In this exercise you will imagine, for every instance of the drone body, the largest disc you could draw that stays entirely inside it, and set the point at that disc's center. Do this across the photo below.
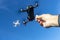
(30, 12)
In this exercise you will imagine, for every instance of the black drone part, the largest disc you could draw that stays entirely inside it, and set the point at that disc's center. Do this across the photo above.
(25, 22)
(30, 12)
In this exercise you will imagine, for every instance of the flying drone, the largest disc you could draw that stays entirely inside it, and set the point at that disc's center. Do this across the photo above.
(30, 12)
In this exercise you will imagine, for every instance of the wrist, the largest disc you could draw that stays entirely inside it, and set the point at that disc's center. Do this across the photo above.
(55, 20)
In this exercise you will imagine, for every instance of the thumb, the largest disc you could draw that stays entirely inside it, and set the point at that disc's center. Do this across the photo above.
(37, 17)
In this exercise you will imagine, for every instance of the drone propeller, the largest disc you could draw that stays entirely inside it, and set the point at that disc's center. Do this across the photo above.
(36, 4)
(22, 10)
(25, 22)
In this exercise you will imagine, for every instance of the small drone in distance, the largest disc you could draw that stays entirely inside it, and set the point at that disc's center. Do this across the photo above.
(30, 12)
(16, 23)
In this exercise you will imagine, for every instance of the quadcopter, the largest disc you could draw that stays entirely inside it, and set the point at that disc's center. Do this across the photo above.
(30, 12)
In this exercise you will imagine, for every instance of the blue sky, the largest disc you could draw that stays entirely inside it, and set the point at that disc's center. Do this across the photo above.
(32, 31)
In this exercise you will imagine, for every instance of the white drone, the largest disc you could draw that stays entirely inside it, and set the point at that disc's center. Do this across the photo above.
(16, 23)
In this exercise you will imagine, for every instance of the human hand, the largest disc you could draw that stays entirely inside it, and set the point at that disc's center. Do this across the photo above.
(47, 20)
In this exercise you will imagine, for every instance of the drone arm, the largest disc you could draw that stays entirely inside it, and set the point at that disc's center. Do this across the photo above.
(36, 5)
(23, 10)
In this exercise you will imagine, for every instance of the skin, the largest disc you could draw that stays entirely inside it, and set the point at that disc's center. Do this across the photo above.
(47, 20)
(40, 21)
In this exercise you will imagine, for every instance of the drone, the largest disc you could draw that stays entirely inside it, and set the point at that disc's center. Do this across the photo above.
(16, 23)
(30, 12)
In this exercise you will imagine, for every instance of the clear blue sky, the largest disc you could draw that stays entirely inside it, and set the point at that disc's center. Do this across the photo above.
(32, 31)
